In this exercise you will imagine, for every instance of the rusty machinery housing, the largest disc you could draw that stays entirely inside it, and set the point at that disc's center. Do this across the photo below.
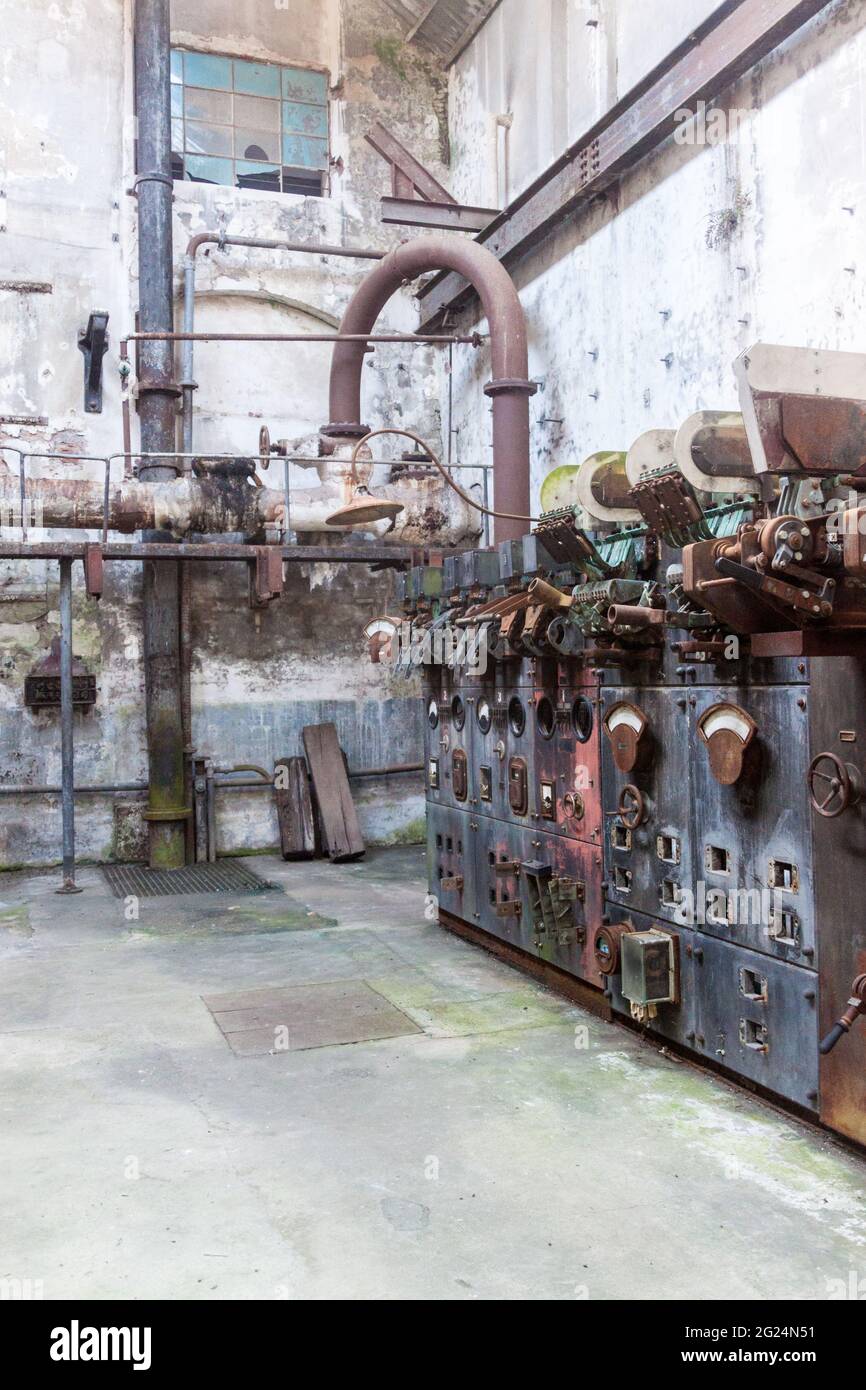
(648, 790)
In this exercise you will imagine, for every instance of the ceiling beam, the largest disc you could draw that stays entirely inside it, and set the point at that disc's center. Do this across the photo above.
(453, 217)
(408, 172)
(428, 10)
(735, 37)
(470, 31)
(403, 12)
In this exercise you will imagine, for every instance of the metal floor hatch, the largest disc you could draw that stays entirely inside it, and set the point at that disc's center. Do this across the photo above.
(225, 876)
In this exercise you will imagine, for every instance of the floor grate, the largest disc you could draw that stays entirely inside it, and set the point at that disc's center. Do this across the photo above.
(225, 876)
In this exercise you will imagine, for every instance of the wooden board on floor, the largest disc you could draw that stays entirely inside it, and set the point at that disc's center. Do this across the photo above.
(294, 808)
(342, 833)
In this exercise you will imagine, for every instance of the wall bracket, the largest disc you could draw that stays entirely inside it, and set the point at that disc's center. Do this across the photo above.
(93, 342)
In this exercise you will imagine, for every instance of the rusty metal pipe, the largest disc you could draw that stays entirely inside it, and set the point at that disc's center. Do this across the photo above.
(206, 505)
(157, 401)
(444, 339)
(359, 253)
(544, 594)
(510, 387)
(635, 615)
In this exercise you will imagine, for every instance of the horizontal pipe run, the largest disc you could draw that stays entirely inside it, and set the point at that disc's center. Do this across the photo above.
(249, 783)
(109, 789)
(444, 339)
(243, 784)
(358, 253)
(394, 555)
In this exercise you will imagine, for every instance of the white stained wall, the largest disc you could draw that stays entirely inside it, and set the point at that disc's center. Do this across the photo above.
(638, 306)
(66, 150)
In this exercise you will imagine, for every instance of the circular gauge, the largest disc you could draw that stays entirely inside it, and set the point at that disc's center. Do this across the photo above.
(484, 715)
(516, 715)
(458, 712)
(433, 714)
(582, 718)
(545, 714)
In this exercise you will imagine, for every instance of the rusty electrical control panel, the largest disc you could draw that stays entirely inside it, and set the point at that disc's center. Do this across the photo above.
(646, 746)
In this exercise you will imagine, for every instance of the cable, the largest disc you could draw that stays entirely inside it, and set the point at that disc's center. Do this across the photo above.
(416, 439)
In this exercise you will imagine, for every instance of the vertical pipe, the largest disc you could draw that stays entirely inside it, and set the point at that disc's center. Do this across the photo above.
(127, 423)
(287, 493)
(166, 811)
(66, 735)
(187, 384)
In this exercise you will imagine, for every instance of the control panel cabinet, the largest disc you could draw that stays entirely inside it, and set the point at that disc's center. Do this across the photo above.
(684, 833)
(645, 757)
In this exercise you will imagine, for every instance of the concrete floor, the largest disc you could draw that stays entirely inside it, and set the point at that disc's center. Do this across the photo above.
(491, 1155)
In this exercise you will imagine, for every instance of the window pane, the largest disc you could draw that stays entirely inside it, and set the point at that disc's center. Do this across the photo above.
(260, 79)
(308, 185)
(301, 85)
(177, 101)
(208, 139)
(304, 119)
(176, 136)
(304, 152)
(257, 113)
(205, 70)
(201, 169)
(257, 144)
(266, 176)
(214, 107)
(176, 65)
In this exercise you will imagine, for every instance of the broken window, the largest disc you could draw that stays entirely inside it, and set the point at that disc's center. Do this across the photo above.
(249, 125)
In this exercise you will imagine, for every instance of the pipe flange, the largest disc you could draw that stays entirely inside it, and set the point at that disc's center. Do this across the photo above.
(347, 431)
(159, 388)
(179, 813)
(510, 386)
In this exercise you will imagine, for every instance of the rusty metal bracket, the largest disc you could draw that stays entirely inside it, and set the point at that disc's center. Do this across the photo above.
(266, 575)
(93, 569)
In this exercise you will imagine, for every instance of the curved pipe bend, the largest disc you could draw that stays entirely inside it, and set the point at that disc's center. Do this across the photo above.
(510, 388)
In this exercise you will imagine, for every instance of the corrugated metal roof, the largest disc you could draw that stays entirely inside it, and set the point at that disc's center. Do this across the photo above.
(443, 27)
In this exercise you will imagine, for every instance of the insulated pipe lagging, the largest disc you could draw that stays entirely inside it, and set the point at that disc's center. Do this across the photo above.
(509, 388)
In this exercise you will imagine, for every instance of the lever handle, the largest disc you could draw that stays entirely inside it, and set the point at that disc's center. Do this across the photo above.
(836, 1034)
(856, 1007)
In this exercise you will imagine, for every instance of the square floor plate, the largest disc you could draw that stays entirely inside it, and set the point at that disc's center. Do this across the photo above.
(297, 1017)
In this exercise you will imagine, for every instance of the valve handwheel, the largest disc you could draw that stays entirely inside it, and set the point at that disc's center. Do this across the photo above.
(264, 446)
(832, 785)
(632, 807)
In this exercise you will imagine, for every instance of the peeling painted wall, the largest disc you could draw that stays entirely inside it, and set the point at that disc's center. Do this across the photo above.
(638, 306)
(66, 161)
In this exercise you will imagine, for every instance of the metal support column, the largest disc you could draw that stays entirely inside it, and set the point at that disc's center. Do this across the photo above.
(158, 392)
(66, 734)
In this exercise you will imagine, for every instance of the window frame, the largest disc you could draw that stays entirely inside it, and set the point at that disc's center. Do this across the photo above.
(287, 173)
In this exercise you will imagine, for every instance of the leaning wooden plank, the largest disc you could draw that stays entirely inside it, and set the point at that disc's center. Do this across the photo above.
(328, 770)
(294, 808)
